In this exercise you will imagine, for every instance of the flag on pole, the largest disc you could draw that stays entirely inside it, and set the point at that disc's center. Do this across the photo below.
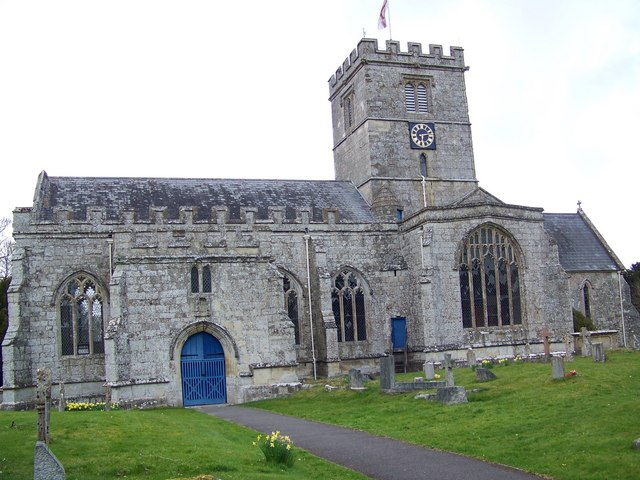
(382, 18)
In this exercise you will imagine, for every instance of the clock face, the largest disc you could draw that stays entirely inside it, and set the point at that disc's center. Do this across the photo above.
(422, 135)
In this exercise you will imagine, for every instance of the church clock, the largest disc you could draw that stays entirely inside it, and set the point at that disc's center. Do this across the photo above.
(422, 136)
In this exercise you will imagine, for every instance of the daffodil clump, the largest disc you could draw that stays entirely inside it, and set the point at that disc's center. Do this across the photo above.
(277, 448)
(486, 364)
(88, 406)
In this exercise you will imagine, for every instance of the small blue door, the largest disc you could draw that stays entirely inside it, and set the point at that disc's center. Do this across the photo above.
(398, 332)
(202, 367)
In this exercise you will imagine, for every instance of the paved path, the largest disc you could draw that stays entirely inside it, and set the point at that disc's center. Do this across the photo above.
(376, 457)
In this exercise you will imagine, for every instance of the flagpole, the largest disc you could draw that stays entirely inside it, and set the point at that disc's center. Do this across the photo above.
(389, 15)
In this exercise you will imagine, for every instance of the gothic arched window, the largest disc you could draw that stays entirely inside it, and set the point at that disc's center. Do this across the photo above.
(347, 299)
(489, 280)
(81, 317)
(291, 304)
(587, 300)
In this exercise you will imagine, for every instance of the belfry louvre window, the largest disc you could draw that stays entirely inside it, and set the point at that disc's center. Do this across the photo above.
(347, 299)
(291, 304)
(81, 317)
(416, 98)
(489, 280)
(348, 112)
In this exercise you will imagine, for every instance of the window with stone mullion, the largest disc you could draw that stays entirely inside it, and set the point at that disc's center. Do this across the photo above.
(489, 285)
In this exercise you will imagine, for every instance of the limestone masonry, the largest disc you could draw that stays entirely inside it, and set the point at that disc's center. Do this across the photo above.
(195, 291)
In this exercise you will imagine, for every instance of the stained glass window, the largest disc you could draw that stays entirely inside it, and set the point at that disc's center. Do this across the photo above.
(81, 318)
(348, 303)
(489, 280)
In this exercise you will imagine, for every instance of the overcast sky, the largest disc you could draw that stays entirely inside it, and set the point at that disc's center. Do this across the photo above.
(239, 89)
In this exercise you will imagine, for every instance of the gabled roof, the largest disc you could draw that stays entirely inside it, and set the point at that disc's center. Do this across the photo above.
(139, 194)
(478, 196)
(580, 246)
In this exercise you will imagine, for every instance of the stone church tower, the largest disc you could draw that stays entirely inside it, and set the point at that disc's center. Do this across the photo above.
(401, 127)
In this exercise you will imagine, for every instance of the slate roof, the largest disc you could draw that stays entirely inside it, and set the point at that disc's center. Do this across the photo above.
(116, 194)
(580, 246)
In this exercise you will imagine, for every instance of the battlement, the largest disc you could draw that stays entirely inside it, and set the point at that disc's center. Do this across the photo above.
(248, 217)
(367, 52)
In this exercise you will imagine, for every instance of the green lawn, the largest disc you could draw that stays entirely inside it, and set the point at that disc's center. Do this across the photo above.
(577, 428)
(148, 444)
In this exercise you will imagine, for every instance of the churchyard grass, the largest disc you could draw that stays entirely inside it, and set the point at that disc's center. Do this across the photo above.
(577, 428)
(164, 443)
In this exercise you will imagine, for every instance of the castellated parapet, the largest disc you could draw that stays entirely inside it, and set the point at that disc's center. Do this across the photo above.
(367, 52)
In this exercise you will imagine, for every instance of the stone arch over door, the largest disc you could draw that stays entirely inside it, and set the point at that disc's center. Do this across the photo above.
(229, 347)
(202, 362)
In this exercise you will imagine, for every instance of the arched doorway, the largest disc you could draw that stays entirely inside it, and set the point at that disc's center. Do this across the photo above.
(203, 374)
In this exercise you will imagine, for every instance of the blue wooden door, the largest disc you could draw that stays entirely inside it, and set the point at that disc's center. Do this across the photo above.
(202, 367)
(398, 332)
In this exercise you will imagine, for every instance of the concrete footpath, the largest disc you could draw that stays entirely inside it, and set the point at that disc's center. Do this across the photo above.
(375, 457)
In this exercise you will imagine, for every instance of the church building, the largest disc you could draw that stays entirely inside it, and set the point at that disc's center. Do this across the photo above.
(200, 291)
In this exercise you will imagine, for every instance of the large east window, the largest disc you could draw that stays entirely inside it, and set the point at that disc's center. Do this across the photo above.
(81, 317)
(348, 301)
(489, 280)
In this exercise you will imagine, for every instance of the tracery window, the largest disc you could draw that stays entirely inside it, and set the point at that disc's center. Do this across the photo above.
(416, 97)
(348, 302)
(81, 317)
(291, 304)
(489, 280)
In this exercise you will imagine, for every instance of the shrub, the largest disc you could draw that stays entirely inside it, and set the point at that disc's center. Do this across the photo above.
(579, 321)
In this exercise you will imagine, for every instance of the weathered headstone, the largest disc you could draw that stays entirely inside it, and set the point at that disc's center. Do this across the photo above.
(586, 342)
(451, 395)
(545, 339)
(557, 367)
(356, 381)
(471, 357)
(484, 375)
(107, 399)
(62, 400)
(429, 370)
(43, 403)
(387, 373)
(448, 371)
(45, 464)
(597, 352)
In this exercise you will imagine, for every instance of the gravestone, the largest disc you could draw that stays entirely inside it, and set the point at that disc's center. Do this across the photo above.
(451, 395)
(484, 375)
(107, 399)
(597, 351)
(586, 342)
(557, 367)
(448, 371)
(356, 381)
(45, 464)
(62, 401)
(43, 403)
(545, 339)
(471, 357)
(387, 373)
(429, 370)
